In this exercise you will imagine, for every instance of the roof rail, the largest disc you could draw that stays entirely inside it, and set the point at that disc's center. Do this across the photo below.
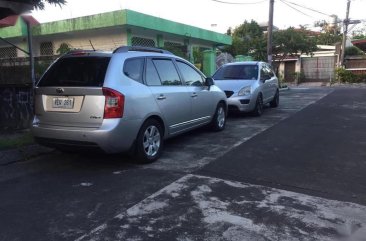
(124, 49)
(76, 51)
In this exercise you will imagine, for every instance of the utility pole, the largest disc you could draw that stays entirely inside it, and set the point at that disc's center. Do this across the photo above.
(30, 51)
(345, 30)
(269, 32)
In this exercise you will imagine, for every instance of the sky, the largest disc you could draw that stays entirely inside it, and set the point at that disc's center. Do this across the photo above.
(213, 15)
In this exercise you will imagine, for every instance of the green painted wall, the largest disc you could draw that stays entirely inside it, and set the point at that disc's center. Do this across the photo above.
(102, 20)
(163, 25)
(19, 29)
(209, 62)
(118, 18)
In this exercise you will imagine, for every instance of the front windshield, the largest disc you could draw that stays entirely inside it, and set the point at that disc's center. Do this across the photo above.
(239, 72)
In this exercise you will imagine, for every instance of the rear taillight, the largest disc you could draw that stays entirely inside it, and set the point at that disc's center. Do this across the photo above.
(114, 103)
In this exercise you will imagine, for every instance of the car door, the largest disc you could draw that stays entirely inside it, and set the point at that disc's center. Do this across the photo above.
(203, 102)
(169, 92)
(273, 82)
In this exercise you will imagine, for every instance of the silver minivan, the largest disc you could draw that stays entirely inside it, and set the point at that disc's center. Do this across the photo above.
(127, 100)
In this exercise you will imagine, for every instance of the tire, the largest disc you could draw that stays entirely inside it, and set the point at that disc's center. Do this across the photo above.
(149, 142)
(258, 109)
(276, 100)
(219, 120)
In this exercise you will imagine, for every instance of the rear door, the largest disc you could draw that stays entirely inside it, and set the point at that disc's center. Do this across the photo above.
(70, 93)
(169, 92)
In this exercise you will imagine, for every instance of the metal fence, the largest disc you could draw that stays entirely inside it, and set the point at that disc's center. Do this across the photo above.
(318, 68)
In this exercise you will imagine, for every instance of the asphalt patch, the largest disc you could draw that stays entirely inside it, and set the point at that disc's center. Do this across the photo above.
(320, 151)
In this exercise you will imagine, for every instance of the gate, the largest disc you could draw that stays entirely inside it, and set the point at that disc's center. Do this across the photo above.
(318, 68)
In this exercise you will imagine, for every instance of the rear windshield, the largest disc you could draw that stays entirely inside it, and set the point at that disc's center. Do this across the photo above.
(237, 72)
(76, 71)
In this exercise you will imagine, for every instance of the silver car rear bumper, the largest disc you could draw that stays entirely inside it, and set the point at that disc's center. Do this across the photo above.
(113, 136)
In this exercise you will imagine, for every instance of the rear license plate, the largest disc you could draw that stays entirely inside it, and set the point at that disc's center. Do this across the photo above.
(63, 103)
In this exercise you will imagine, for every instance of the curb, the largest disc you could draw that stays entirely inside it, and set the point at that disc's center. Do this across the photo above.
(283, 89)
(22, 154)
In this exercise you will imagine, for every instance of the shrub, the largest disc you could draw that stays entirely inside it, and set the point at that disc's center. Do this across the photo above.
(346, 76)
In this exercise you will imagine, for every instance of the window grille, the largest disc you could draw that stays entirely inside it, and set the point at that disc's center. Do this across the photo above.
(144, 42)
(46, 49)
(8, 52)
(172, 44)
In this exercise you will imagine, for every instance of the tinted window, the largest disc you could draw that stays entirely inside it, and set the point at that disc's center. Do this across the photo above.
(190, 75)
(152, 77)
(237, 72)
(77, 71)
(167, 72)
(133, 68)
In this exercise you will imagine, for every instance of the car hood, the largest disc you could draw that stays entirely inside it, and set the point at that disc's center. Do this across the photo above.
(233, 85)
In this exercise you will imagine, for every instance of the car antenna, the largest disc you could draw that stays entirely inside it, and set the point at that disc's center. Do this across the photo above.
(91, 45)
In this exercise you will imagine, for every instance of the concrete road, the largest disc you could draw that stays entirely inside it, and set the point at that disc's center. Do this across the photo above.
(293, 174)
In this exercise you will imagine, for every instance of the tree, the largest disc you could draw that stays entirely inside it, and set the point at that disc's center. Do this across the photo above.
(360, 33)
(353, 51)
(292, 42)
(248, 39)
(330, 33)
(40, 4)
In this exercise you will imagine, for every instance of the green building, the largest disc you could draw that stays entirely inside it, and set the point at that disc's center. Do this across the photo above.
(107, 31)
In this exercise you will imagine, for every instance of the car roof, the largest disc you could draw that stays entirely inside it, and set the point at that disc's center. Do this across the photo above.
(244, 63)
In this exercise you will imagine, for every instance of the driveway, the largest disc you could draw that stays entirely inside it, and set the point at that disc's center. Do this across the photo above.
(267, 178)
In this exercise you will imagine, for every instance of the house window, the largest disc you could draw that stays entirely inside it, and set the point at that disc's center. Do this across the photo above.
(144, 42)
(46, 49)
(172, 44)
(8, 52)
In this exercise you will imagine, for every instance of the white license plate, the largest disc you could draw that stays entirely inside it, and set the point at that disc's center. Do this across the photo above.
(63, 102)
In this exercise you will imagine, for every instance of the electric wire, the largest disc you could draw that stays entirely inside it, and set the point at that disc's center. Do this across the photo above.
(284, 2)
(305, 7)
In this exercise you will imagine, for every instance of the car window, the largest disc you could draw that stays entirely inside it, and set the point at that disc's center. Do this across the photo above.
(167, 72)
(233, 72)
(264, 73)
(76, 71)
(152, 78)
(133, 68)
(190, 75)
(269, 70)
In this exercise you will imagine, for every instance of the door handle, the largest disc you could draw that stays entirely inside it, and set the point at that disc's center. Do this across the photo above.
(194, 94)
(161, 97)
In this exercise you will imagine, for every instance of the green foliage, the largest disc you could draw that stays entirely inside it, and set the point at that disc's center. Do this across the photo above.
(346, 76)
(177, 50)
(299, 77)
(292, 42)
(16, 141)
(328, 38)
(63, 49)
(353, 51)
(40, 4)
(330, 33)
(248, 39)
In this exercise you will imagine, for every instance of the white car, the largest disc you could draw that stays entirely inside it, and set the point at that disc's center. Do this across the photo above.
(248, 86)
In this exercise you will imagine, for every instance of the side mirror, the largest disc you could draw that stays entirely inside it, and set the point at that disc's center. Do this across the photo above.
(210, 81)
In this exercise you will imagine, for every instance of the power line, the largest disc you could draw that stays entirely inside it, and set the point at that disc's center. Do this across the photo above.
(284, 2)
(305, 7)
(239, 3)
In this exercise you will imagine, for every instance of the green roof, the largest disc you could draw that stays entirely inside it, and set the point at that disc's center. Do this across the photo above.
(126, 18)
